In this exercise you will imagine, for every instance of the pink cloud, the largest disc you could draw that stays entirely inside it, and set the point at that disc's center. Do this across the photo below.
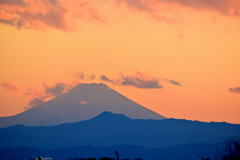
(65, 14)
(12, 88)
(35, 95)
(38, 96)
(45, 14)
(163, 9)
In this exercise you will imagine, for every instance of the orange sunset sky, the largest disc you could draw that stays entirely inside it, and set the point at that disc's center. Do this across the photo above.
(179, 58)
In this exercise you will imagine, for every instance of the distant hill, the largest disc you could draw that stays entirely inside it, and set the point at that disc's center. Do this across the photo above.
(109, 129)
(179, 152)
(82, 102)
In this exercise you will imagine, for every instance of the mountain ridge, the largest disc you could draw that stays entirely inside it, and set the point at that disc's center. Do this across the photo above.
(109, 129)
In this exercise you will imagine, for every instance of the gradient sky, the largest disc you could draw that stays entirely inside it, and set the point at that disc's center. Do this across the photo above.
(179, 58)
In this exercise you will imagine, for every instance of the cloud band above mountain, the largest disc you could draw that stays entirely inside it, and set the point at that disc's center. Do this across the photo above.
(139, 80)
(38, 96)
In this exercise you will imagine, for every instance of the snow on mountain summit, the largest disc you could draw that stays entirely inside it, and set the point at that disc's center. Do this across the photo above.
(82, 102)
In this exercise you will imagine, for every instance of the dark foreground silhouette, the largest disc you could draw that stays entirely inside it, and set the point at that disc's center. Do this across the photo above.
(179, 152)
(230, 151)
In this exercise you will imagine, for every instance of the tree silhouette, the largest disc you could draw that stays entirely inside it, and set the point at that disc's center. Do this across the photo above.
(78, 159)
(106, 158)
(231, 150)
(90, 158)
(117, 154)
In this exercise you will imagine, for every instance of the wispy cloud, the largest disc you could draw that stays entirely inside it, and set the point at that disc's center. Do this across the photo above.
(39, 95)
(58, 89)
(226, 7)
(79, 75)
(34, 102)
(104, 78)
(44, 14)
(36, 95)
(92, 77)
(11, 87)
(158, 8)
(176, 83)
(138, 80)
(235, 90)
(65, 14)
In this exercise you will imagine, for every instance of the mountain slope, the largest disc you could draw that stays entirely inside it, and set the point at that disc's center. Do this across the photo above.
(82, 102)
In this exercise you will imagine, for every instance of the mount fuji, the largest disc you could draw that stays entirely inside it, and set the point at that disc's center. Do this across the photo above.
(82, 102)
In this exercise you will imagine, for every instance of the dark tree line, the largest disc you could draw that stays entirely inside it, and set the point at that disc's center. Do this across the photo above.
(230, 152)
(105, 158)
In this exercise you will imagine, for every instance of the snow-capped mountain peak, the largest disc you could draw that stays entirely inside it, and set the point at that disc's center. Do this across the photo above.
(82, 102)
